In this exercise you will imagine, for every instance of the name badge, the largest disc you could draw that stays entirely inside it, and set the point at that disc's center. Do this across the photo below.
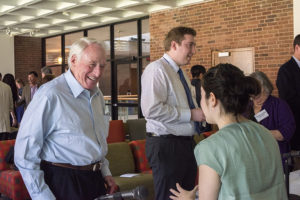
(261, 115)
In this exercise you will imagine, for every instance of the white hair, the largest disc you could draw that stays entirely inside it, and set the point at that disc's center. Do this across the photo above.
(78, 47)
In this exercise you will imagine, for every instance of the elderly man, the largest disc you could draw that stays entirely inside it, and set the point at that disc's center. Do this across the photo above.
(171, 114)
(60, 150)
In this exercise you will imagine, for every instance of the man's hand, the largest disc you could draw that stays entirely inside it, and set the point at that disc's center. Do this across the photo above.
(182, 194)
(197, 115)
(111, 185)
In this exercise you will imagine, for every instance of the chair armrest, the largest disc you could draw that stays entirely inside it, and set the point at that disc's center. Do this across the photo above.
(5, 145)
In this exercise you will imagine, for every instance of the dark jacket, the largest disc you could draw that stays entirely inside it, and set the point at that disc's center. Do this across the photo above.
(288, 84)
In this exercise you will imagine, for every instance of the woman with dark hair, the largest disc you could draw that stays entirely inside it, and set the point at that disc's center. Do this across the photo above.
(20, 109)
(242, 160)
(9, 79)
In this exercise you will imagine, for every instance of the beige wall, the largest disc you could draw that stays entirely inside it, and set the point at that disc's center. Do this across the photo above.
(7, 60)
(296, 17)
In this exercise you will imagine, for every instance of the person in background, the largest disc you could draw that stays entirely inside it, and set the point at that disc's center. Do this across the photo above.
(20, 84)
(273, 113)
(6, 107)
(197, 72)
(241, 160)
(46, 71)
(47, 78)
(29, 90)
(288, 84)
(20, 109)
(0, 77)
(60, 150)
(172, 114)
(9, 79)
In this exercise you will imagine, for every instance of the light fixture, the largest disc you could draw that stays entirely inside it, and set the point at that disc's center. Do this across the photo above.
(8, 31)
(59, 60)
(65, 13)
(33, 32)
(224, 54)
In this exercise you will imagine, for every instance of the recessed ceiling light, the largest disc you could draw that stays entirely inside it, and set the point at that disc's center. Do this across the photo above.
(38, 25)
(84, 24)
(131, 13)
(78, 15)
(185, 2)
(22, 2)
(43, 12)
(24, 18)
(64, 5)
(66, 28)
(157, 7)
(4, 8)
(125, 3)
(39, 34)
(23, 30)
(58, 21)
(65, 13)
(7, 23)
(107, 19)
(54, 31)
(97, 10)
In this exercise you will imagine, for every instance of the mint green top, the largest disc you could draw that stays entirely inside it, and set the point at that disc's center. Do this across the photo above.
(248, 161)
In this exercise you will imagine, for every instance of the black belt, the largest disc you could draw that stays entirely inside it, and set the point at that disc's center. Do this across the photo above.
(92, 167)
(169, 136)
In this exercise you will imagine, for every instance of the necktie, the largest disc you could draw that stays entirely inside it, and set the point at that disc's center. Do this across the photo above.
(198, 127)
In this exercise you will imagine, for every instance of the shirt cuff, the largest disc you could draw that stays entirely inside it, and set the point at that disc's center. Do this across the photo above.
(185, 115)
(105, 171)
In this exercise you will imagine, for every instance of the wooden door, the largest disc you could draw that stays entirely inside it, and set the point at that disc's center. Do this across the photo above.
(243, 58)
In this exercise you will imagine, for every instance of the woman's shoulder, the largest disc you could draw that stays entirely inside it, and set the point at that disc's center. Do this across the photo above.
(276, 102)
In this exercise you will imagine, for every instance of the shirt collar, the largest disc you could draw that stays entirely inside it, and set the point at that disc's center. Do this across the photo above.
(171, 62)
(75, 86)
(33, 86)
(297, 61)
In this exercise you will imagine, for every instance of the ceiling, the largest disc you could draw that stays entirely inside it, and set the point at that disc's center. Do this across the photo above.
(42, 18)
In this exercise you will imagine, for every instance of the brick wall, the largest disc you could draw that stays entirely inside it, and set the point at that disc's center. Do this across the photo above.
(28, 56)
(266, 25)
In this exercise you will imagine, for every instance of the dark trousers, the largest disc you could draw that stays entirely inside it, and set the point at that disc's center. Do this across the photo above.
(71, 184)
(172, 161)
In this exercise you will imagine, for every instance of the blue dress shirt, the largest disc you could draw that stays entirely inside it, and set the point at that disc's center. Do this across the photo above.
(64, 123)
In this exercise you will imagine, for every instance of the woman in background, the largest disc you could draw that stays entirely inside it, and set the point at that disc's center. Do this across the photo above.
(241, 160)
(20, 109)
(273, 113)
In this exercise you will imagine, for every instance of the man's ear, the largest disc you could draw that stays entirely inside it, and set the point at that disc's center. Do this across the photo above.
(173, 45)
(297, 47)
(73, 59)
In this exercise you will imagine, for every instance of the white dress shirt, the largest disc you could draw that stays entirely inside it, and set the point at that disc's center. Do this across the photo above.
(163, 101)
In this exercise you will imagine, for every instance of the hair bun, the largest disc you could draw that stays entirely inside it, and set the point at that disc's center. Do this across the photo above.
(230, 86)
